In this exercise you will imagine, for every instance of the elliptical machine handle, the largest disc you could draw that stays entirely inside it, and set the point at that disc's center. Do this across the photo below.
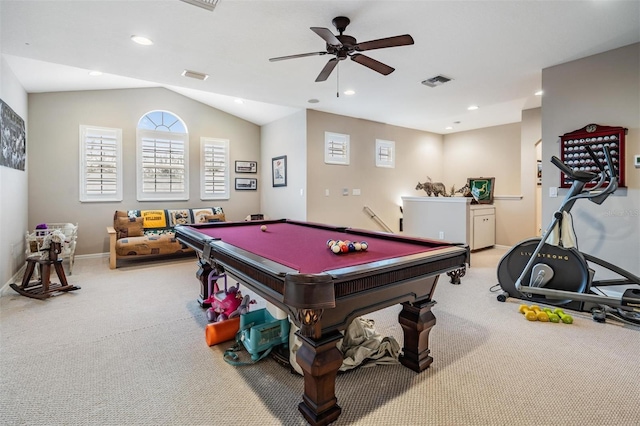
(563, 167)
(594, 157)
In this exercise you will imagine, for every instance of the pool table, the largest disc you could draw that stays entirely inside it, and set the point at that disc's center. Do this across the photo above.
(290, 265)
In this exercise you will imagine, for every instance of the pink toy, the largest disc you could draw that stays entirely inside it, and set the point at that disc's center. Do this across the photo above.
(223, 304)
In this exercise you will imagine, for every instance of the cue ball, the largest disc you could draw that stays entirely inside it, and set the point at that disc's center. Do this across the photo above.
(263, 228)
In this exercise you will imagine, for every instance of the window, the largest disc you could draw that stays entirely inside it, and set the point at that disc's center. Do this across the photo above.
(100, 164)
(163, 157)
(336, 148)
(385, 153)
(214, 169)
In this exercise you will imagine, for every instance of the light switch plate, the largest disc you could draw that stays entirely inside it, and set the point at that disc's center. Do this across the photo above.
(636, 161)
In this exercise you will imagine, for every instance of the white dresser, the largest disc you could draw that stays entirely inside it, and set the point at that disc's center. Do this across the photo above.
(452, 219)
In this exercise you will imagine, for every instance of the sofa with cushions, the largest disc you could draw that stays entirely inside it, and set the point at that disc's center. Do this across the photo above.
(149, 233)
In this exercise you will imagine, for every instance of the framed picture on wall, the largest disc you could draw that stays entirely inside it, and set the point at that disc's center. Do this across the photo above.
(246, 184)
(481, 189)
(246, 167)
(279, 170)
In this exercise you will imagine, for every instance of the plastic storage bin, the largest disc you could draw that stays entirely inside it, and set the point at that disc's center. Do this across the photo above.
(261, 331)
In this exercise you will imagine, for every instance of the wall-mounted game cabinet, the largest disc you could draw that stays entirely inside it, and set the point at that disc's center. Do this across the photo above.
(574, 154)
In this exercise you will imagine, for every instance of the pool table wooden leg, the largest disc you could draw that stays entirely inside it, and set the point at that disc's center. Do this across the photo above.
(416, 320)
(320, 360)
(203, 274)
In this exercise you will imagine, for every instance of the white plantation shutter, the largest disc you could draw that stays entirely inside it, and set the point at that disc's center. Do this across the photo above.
(163, 165)
(214, 169)
(336, 148)
(100, 164)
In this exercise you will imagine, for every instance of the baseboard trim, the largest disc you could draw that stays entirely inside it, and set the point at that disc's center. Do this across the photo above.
(13, 279)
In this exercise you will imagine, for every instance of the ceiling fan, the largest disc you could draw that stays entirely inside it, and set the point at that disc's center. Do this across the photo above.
(343, 46)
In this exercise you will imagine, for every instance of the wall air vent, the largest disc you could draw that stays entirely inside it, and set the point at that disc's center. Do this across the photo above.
(194, 74)
(436, 81)
(205, 4)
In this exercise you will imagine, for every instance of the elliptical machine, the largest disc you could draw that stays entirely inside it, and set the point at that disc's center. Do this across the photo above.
(536, 271)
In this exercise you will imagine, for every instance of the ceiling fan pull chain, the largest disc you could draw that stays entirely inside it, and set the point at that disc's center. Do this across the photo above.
(338, 81)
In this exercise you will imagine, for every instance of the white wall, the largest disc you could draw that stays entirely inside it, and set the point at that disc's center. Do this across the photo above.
(602, 89)
(13, 186)
(286, 136)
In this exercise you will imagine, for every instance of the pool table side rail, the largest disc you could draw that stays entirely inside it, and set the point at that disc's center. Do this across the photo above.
(347, 281)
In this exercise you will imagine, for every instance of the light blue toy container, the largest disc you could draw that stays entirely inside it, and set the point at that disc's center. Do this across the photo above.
(260, 331)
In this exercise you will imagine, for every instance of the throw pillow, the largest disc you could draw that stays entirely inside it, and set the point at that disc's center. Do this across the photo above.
(128, 227)
(214, 218)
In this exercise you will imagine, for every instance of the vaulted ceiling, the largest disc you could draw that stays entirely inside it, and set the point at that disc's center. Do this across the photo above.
(493, 52)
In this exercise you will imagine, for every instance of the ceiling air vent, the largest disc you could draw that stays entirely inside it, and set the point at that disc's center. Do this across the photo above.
(194, 74)
(205, 4)
(438, 80)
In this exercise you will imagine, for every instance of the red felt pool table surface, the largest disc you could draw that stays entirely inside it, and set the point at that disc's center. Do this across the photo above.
(304, 248)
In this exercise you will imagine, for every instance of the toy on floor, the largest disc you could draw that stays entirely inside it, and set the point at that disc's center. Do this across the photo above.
(534, 313)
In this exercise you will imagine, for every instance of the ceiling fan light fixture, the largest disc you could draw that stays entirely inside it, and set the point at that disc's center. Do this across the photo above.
(436, 81)
(205, 4)
(195, 74)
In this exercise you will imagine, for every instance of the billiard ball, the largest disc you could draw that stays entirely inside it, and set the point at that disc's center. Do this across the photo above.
(335, 248)
(357, 246)
(263, 228)
(364, 246)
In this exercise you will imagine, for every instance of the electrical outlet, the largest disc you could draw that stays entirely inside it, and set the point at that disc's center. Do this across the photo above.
(553, 192)
(441, 235)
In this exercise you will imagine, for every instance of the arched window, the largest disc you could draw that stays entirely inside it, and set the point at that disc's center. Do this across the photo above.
(162, 157)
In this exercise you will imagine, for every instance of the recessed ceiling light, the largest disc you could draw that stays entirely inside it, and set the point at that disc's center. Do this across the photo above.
(448, 128)
(538, 93)
(95, 73)
(349, 92)
(313, 101)
(142, 40)
(238, 101)
(473, 107)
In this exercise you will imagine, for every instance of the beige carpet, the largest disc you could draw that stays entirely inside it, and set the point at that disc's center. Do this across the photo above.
(128, 349)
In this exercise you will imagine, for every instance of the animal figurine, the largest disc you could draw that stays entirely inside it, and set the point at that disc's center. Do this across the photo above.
(465, 190)
(432, 188)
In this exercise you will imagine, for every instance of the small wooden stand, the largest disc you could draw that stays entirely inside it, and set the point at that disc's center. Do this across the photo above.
(44, 288)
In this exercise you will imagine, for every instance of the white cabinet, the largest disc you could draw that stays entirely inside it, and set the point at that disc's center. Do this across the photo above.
(452, 219)
(482, 221)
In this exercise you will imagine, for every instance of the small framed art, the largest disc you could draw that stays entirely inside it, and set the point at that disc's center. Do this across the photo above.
(279, 170)
(246, 167)
(246, 184)
(481, 189)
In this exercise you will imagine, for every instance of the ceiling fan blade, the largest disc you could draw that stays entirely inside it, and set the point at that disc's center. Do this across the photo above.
(301, 55)
(372, 63)
(327, 35)
(326, 71)
(401, 40)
